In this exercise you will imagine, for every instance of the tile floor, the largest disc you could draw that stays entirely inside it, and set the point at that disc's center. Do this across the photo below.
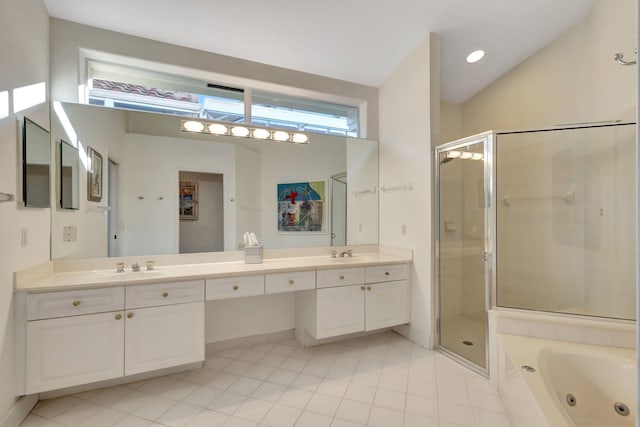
(382, 380)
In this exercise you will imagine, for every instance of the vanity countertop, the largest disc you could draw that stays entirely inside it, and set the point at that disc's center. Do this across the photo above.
(59, 281)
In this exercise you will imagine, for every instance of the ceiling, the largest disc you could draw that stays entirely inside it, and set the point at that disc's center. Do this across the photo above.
(360, 41)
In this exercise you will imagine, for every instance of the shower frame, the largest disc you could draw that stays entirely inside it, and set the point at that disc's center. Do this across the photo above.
(488, 141)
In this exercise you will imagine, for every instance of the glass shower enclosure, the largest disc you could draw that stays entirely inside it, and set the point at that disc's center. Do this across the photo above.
(540, 220)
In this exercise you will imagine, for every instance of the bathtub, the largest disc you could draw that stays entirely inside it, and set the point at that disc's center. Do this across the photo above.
(557, 384)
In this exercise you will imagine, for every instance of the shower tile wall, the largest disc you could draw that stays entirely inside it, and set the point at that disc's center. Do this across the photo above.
(565, 221)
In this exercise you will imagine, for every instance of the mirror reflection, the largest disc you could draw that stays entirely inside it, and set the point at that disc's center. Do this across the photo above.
(36, 160)
(167, 191)
(69, 164)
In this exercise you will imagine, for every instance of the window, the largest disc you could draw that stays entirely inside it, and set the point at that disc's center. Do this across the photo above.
(125, 87)
(275, 110)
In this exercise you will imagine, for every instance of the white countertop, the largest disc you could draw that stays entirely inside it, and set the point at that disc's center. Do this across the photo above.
(168, 273)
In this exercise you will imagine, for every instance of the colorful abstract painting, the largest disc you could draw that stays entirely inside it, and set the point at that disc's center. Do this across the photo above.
(301, 207)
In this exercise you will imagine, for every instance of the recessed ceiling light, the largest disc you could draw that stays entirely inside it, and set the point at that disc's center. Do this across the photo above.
(475, 56)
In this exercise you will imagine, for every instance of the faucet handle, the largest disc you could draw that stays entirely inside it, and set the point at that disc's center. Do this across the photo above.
(150, 265)
(334, 254)
(135, 267)
(120, 267)
(350, 252)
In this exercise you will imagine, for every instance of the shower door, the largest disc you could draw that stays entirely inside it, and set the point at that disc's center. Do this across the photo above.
(463, 274)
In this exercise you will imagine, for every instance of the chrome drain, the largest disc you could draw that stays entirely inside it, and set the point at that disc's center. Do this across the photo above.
(571, 399)
(528, 368)
(621, 409)
(467, 342)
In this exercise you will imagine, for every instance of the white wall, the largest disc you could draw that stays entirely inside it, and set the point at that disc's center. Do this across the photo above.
(405, 157)
(24, 53)
(572, 79)
(362, 174)
(150, 170)
(248, 193)
(68, 38)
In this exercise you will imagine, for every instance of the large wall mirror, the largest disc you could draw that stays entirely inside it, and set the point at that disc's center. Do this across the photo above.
(36, 162)
(165, 191)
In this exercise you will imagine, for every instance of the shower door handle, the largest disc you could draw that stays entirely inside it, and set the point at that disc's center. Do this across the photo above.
(484, 256)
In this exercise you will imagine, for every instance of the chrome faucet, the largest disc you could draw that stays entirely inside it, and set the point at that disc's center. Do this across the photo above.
(120, 267)
(347, 253)
(135, 267)
(150, 265)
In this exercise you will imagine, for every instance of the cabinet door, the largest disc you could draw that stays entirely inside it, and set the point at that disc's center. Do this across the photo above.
(74, 350)
(160, 337)
(340, 311)
(387, 304)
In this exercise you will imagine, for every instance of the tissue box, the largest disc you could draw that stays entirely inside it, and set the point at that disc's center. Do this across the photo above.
(252, 254)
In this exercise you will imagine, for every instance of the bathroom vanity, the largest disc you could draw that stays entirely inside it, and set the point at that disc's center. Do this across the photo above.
(80, 327)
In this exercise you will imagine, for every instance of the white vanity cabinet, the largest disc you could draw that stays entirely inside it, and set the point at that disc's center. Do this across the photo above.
(353, 300)
(164, 326)
(69, 338)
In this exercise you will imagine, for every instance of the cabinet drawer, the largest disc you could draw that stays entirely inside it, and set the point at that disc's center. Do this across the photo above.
(386, 273)
(48, 305)
(289, 282)
(340, 277)
(233, 287)
(164, 294)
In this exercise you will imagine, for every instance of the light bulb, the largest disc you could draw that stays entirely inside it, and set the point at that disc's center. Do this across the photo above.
(261, 133)
(477, 156)
(239, 131)
(453, 154)
(300, 138)
(193, 126)
(466, 155)
(218, 129)
(281, 135)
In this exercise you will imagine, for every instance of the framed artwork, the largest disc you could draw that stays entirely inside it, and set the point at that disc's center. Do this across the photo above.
(301, 207)
(94, 176)
(188, 195)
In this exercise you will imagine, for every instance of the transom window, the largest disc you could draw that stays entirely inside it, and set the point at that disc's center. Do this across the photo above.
(136, 89)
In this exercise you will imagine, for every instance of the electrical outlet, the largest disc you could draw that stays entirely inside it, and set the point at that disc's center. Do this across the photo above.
(69, 233)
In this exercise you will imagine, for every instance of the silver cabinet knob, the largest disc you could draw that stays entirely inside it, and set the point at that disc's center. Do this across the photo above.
(118, 316)
(129, 315)
(236, 287)
(165, 294)
(291, 281)
(341, 277)
(362, 288)
(76, 303)
(368, 288)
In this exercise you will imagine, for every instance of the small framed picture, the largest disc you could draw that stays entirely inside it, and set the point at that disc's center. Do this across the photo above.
(188, 201)
(94, 175)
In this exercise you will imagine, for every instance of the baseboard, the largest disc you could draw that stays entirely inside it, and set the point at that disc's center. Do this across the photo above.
(418, 336)
(19, 411)
(249, 341)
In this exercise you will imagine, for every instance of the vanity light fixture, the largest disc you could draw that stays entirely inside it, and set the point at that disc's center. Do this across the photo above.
(243, 131)
(475, 56)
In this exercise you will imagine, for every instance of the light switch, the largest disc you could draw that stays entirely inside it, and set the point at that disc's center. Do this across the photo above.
(69, 233)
